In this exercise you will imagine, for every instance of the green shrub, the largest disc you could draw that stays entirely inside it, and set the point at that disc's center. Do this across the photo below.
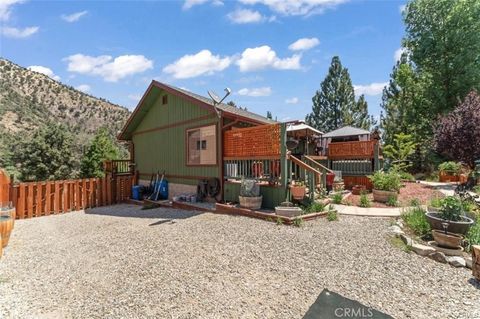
(436, 202)
(337, 198)
(473, 236)
(476, 189)
(315, 207)
(298, 222)
(364, 201)
(279, 221)
(386, 181)
(406, 176)
(451, 167)
(415, 219)
(451, 208)
(415, 202)
(392, 201)
(249, 188)
(332, 215)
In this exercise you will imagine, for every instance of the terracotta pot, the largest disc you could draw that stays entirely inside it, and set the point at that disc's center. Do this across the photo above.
(448, 240)
(6, 226)
(448, 177)
(250, 202)
(358, 189)
(382, 196)
(298, 192)
(458, 227)
(476, 261)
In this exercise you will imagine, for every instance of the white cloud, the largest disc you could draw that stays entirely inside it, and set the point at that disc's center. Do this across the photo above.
(296, 7)
(304, 44)
(191, 3)
(398, 54)
(6, 8)
(264, 57)
(370, 89)
(109, 69)
(244, 16)
(44, 70)
(201, 63)
(293, 100)
(262, 91)
(18, 33)
(74, 17)
(84, 88)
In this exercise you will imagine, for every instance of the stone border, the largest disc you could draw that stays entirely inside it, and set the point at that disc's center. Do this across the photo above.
(396, 230)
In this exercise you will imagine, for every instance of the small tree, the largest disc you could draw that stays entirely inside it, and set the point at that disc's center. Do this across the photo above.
(457, 135)
(48, 155)
(403, 146)
(101, 148)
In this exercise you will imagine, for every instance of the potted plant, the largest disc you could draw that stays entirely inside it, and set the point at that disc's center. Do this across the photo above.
(451, 212)
(385, 185)
(298, 190)
(449, 171)
(287, 209)
(250, 194)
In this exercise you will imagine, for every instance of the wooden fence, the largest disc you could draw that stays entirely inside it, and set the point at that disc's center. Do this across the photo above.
(352, 150)
(34, 199)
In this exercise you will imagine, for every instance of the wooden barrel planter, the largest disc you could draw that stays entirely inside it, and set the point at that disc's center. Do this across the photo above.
(250, 202)
(6, 226)
(383, 196)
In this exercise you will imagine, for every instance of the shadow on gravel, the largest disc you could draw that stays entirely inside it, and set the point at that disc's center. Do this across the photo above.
(137, 212)
(475, 283)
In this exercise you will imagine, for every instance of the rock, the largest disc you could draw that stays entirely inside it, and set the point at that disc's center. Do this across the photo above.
(423, 250)
(395, 230)
(468, 262)
(399, 223)
(438, 256)
(456, 261)
(406, 240)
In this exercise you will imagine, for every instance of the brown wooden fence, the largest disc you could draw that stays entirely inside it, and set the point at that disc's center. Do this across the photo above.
(34, 199)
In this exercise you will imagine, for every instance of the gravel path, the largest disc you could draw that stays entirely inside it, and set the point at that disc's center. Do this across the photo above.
(120, 261)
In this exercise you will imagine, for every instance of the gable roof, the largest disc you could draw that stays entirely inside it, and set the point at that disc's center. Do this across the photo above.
(150, 96)
(346, 131)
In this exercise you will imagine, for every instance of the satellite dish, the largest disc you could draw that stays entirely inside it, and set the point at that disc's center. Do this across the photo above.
(216, 99)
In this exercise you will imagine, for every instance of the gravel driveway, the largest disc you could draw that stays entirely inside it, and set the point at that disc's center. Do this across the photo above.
(120, 261)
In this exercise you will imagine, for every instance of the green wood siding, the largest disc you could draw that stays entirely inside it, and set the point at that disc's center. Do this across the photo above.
(165, 149)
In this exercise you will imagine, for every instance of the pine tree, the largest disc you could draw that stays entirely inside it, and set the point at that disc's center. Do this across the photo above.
(101, 148)
(48, 155)
(334, 105)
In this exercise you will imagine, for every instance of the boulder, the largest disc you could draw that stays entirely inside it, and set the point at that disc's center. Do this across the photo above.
(399, 223)
(456, 261)
(438, 256)
(468, 262)
(406, 240)
(422, 250)
(395, 230)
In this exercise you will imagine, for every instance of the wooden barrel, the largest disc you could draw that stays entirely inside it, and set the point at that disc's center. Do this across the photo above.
(476, 261)
(9, 212)
(6, 226)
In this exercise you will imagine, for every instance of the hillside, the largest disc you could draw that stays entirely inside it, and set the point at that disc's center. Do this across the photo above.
(29, 100)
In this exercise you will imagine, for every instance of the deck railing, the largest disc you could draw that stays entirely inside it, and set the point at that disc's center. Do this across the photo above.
(119, 166)
(352, 150)
(260, 168)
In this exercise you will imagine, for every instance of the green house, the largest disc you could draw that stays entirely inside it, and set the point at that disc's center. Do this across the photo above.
(181, 133)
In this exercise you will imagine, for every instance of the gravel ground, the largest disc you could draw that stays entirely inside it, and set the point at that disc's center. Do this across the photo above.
(423, 193)
(120, 261)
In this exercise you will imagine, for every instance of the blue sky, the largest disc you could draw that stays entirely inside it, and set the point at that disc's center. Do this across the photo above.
(272, 54)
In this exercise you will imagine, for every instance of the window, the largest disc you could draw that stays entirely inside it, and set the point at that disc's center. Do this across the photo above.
(164, 99)
(202, 146)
